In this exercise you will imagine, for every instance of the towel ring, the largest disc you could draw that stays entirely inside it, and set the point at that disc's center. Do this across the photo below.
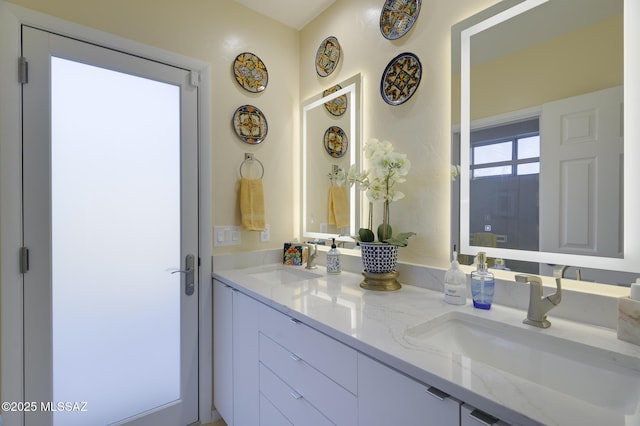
(250, 157)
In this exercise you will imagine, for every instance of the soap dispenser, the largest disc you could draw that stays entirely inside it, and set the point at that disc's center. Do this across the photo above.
(333, 259)
(455, 283)
(482, 283)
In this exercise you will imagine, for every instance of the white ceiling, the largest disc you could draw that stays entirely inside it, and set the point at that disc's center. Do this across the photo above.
(294, 13)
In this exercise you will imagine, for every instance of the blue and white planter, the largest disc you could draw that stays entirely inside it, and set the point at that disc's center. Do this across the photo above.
(379, 258)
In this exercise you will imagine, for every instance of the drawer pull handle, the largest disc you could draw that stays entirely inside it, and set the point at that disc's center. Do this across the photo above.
(437, 393)
(295, 357)
(293, 320)
(483, 418)
(296, 395)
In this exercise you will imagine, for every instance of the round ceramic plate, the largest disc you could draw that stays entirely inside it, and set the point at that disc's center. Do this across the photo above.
(401, 78)
(250, 124)
(336, 106)
(327, 56)
(250, 72)
(336, 142)
(397, 17)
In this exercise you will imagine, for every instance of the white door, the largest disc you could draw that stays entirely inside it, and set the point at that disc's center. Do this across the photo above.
(110, 213)
(581, 157)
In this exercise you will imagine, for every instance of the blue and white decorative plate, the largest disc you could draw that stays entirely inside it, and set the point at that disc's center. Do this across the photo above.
(336, 106)
(328, 56)
(336, 141)
(250, 72)
(250, 124)
(397, 17)
(401, 78)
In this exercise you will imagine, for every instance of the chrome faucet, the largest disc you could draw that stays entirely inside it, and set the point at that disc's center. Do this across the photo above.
(311, 257)
(538, 304)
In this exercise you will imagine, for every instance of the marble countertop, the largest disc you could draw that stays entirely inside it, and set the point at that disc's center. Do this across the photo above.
(375, 323)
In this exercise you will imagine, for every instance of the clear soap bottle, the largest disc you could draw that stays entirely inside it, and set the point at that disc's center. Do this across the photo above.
(333, 259)
(482, 284)
(455, 283)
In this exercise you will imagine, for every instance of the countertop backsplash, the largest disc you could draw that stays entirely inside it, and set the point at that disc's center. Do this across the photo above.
(584, 302)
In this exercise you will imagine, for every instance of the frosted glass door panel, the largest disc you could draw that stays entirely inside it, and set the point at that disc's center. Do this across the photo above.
(115, 236)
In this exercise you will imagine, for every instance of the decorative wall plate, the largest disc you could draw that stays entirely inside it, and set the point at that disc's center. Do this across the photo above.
(336, 141)
(336, 106)
(397, 17)
(250, 72)
(327, 56)
(250, 124)
(401, 78)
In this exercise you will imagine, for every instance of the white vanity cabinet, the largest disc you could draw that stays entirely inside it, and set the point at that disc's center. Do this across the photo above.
(235, 362)
(223, 350)
(271, 369)
(387, 397)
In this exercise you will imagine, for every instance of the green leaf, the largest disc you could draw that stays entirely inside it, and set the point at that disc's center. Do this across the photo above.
(381, 230)
(366, 235)
(400, 240)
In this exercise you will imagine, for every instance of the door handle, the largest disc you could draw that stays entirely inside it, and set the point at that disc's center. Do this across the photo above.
(189, 274)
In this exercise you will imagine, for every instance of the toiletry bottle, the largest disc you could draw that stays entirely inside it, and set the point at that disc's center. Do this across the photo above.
(482, 284)
(333, 259)
(455, 283)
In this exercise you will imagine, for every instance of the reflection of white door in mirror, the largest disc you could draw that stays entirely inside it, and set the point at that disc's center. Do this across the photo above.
(327, 213)
(581, 179)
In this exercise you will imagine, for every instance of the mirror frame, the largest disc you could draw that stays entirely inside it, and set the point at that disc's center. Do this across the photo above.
(352, 87)
(630, 262)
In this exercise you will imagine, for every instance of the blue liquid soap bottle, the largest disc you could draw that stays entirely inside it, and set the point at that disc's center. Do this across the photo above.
(482, 284)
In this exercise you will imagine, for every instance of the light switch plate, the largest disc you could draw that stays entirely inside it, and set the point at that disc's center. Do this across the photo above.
(226, 236)
(264, 235)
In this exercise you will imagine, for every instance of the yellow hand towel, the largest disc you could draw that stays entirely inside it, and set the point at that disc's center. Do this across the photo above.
(338, 206)
(252, 204)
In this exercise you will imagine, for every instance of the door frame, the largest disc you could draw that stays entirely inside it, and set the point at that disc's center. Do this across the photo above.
(11, 296)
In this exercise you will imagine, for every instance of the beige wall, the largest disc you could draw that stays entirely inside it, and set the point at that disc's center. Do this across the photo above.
(421, 126)
(582, 61)
(215, 32)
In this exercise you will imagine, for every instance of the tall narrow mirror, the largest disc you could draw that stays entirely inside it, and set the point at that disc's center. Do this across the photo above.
(540, 90)
(331, 134)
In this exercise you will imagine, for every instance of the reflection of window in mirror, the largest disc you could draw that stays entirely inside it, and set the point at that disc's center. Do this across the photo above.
(504, 189)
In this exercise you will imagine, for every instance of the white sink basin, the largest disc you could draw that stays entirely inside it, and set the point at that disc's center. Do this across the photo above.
(597, 376)
(283, 274)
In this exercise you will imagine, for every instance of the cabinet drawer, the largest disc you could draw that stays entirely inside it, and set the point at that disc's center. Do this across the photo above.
(270, 416)
(331, 399)
(287, 401)
(332, 358)
(388, 397)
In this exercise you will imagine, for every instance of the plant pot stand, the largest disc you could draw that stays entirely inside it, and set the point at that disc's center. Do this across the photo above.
(380, 282)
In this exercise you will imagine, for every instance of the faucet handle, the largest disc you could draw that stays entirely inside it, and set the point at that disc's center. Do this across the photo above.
(526, 278)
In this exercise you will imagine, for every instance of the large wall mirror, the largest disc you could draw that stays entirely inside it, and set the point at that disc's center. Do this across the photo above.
(544, 110)
(331, 143)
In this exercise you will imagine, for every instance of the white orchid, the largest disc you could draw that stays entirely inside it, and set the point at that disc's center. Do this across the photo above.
(388, 168)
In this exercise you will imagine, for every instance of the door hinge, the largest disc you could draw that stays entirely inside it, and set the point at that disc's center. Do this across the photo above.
(23, 70)
(24, 260)
(194, 78)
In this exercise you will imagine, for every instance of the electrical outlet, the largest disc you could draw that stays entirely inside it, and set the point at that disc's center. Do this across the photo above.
(324, 227)
(264, 235)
